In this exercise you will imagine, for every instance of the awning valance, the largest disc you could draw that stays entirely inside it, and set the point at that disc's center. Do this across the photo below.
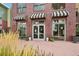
(60, 13)
(37, 15)
(19, 17)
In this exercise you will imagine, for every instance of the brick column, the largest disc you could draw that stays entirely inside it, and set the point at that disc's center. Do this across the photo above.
(48, 21)
(71, 21)
(14, 26)
(29, 21)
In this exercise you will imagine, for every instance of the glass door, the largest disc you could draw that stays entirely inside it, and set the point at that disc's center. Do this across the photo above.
(38, 32)
(35, 32)
(41, 31)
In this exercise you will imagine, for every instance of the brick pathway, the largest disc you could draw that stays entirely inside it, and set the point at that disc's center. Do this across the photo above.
(58, 48)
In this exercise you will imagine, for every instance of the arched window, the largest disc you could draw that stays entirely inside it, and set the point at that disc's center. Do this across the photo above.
(58, 6)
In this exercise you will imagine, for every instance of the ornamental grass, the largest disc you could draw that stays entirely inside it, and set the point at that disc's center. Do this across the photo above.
(9, 46)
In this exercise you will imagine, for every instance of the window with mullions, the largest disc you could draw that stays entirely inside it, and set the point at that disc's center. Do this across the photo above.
(22, 30)
(21, 7)
(58, 28)
(38, 7)
(58, 6)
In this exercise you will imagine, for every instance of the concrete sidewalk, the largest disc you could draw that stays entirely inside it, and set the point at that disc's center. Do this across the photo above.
(58, 48)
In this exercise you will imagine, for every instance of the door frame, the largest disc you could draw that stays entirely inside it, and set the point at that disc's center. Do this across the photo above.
(38, 31)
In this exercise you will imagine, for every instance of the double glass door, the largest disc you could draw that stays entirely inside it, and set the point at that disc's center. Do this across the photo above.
(38, 32)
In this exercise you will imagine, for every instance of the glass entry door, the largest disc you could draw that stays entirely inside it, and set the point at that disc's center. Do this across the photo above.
(38, 32)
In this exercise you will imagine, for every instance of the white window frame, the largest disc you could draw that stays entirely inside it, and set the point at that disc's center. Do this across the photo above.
(37, 24)
(22, 25)
(58, 28)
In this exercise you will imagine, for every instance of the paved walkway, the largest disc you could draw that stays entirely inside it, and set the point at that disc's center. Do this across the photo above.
(58, 48)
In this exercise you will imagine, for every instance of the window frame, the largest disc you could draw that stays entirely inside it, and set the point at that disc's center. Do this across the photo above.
(57, 23)
(57, 6)
(2, 12)
(21, 8)
(24, 25)
(38, 5)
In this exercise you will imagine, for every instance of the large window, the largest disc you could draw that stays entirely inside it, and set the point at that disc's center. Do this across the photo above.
(38, 7)
(22, 30)
(58, 28)
(21, 7)
(58, 6)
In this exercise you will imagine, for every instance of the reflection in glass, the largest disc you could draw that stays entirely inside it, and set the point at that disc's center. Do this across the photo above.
(41, 36)
(61, 29)
(35, 29)
(58, 29)
(35, 35)
(41, 29)
(55, 31)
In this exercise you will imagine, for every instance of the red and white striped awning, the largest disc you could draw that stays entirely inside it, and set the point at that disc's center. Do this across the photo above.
(37, 15)
(60, 13)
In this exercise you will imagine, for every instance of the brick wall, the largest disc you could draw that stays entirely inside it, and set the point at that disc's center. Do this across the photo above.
(71, 21)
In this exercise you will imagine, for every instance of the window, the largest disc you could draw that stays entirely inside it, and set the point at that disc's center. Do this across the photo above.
(21, 7)
(1, 13)
(39, 7)
(22, 30)
(77, 29)
(58, 6)
(58, 28)
(77, 12)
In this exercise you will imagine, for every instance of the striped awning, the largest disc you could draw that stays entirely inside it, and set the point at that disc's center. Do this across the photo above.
(60, 13)
(19, 17)
(37, 15)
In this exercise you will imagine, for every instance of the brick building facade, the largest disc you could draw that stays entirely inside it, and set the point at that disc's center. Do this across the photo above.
(42, 20)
